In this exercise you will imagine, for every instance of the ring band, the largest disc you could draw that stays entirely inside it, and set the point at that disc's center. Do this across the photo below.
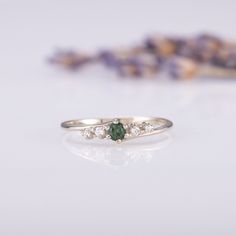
(118, 129)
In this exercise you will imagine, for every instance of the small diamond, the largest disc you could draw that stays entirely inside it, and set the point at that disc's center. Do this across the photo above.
(135, 130)
(148, 127)
(87, 133)
(100, 132)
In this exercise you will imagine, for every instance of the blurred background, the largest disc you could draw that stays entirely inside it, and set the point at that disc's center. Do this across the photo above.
(184, 184)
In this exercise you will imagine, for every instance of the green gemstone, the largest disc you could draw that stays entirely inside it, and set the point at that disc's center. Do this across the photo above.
(117, 131)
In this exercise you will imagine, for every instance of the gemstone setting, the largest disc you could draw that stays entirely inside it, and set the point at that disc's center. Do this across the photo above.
(148, 128)
(117, 131)
(135, 131)
(88, 133)
(100, 132)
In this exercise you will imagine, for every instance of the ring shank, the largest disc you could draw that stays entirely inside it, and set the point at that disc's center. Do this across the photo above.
(81, 124)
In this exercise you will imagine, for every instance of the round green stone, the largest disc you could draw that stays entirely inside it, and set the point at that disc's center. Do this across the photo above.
(117, 131)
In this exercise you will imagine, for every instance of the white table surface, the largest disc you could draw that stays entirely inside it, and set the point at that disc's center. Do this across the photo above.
(184, 184)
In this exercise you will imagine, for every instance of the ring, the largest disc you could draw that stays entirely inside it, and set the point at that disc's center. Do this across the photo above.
(118, 129)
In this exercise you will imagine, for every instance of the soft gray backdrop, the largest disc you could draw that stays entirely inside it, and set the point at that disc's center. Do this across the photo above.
(182, 185)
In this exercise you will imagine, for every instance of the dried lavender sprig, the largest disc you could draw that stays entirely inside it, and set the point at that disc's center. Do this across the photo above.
(70, 59)
(181, 57)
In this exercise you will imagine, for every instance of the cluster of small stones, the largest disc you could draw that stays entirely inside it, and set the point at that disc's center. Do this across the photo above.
(97, 132)
(135, 130)
(118, 131)
(179, 57)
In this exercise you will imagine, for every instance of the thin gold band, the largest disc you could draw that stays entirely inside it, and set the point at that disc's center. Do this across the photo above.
(124, 127)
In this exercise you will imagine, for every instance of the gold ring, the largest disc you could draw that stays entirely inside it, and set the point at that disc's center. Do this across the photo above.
(118, 129)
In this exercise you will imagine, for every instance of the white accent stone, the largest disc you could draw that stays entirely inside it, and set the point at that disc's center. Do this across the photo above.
(100, 132)
(135, 131)
(88, 133)
(148, 127)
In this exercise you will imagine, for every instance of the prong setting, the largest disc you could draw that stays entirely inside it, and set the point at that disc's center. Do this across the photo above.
(125, 131)
(119, 141)
(115, 121)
